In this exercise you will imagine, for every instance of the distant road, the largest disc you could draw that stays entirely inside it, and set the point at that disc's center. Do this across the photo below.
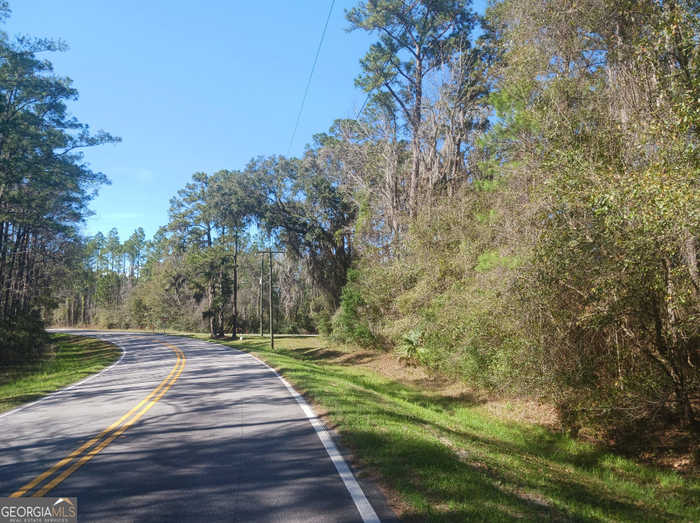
(181, 430)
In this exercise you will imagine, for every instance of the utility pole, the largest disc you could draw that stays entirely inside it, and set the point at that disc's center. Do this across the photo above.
(269, 252)
(235, 287)
(272, 330)
(260, 308)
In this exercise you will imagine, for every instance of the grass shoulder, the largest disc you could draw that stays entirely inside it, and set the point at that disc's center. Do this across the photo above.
(69, 359)
(452, 457)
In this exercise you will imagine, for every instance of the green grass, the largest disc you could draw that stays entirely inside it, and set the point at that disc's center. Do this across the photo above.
(71, 359)
(450, 460)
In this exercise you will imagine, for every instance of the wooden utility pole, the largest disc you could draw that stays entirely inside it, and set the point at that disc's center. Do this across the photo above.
(272, 331)
(260, 308)
(269, 252)
(235, 287)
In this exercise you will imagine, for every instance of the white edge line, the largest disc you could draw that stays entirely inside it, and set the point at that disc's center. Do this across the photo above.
(65, 389)
(358, 496)
(364, 507)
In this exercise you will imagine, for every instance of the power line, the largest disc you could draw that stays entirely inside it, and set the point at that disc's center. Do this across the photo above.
(363, 105)
(308, 83)
(369, 93)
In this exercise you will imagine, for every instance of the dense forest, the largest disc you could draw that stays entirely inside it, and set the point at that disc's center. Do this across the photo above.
(516, 205)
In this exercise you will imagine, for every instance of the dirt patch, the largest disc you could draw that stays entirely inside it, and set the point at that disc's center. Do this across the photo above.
(525, 411)
(452, 391)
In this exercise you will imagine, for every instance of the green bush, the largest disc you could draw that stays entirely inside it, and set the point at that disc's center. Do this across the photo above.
(348, 323)
(22, 339)
(324, 323)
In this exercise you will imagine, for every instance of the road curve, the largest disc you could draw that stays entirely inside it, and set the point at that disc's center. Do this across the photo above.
(181, 430)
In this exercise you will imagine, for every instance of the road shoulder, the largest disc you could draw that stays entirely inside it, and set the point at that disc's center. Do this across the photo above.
(71, 361)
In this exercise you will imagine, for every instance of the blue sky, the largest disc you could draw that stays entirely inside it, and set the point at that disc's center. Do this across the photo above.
(193, 86)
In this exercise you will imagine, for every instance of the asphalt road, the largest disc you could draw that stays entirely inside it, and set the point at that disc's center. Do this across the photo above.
(181, 430)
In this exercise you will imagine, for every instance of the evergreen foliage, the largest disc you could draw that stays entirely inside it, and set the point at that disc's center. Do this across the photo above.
(44, 187)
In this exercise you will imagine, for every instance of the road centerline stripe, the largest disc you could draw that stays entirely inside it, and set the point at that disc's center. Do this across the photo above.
(87, 457)
(116, 428)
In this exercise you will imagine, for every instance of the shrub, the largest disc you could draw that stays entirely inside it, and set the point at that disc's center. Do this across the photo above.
(348, 323)
(23, 339)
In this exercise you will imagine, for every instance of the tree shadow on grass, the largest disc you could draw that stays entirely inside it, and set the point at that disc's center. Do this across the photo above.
(454, 472)
(317, 353)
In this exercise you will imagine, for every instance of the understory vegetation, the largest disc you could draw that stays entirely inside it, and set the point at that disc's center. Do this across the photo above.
(516, 206)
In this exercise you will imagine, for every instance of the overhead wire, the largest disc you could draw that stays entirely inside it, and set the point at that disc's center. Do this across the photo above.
(369, 93)
(311, 74)
(357, 116)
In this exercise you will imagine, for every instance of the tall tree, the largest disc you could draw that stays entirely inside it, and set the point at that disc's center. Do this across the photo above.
(415, 39)
(134, 249)
(114, 250)
(309, 213)
(235, 205)
(201, 219)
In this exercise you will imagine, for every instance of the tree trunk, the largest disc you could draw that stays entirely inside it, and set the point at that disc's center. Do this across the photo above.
(415, 144)
(691, 260)
(212, 316)
(661, 353)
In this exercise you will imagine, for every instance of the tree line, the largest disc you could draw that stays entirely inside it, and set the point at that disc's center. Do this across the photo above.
(204, 271)
(44, 188)
(519, 210)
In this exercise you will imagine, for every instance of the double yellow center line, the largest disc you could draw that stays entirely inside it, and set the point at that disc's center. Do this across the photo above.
(88, 450)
